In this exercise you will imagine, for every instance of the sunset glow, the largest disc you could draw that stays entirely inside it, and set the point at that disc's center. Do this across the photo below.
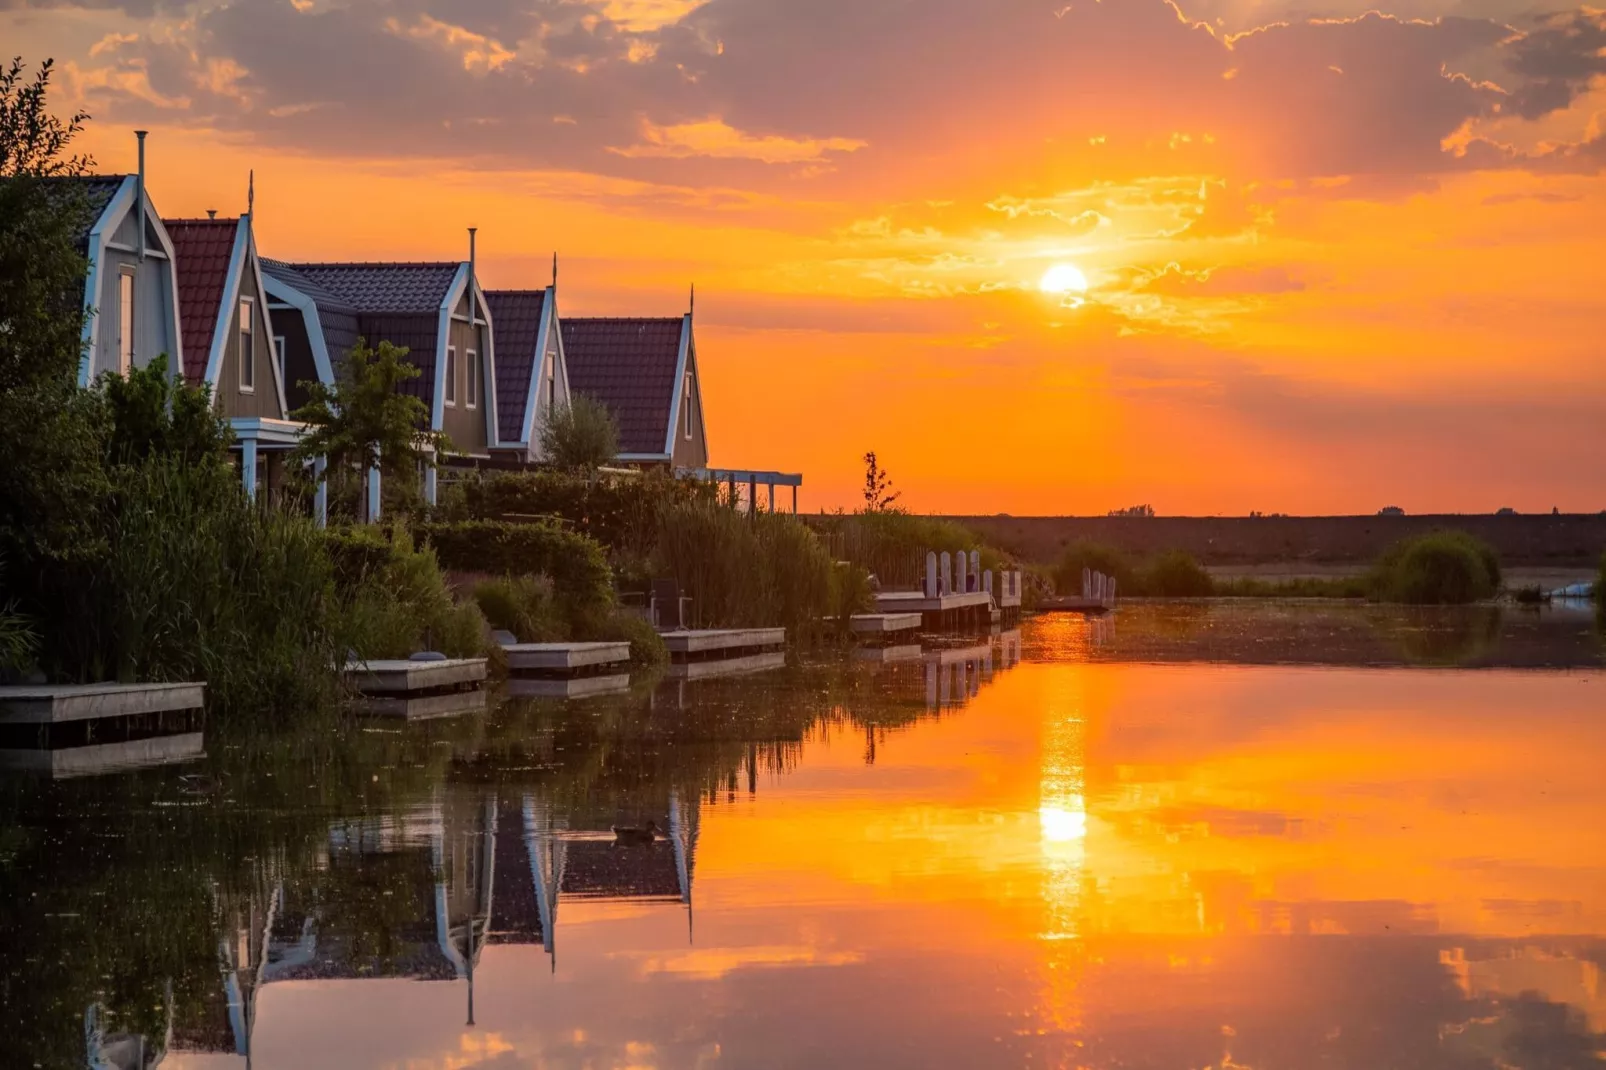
(1323, 238)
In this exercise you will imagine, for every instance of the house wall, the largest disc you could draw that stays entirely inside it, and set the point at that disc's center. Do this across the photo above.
(466, 426)
(551, 357)
(299, 365)
(263, 401)
(154, 329)
(691, 452)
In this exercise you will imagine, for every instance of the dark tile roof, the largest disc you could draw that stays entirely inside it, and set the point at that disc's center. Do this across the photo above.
(628, 365)
(335, 316)
(515, 908)
(376, 288)
(597, 869)
(418, 333)
(203, 249)
(97, 191)
(516, 318)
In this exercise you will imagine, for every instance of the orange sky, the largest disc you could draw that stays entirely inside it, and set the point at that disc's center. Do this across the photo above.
(1336, 261)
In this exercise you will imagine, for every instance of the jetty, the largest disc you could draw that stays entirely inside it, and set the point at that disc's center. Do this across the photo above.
(66, 730)
(1097, 597)
(565, 670)
(958, 595)
(883, 628)
(695, 655)
(418, 688)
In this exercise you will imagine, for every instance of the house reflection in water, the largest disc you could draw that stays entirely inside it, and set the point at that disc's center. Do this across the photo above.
(418, 896)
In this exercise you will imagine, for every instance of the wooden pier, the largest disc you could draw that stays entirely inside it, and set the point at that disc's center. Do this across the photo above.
(566, 659)
(418, 689)
(1097, 597)
(83, 729)
(883, 628)
(696, 655)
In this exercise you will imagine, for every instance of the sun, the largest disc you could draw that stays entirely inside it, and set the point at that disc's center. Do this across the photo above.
(1063, 279)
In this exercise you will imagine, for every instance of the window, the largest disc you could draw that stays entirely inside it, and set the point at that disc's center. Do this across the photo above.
(278, 355)
(125, 320)
(248, 364)
(551, 381)
(686, 407)
(451, 376)
(472, 394)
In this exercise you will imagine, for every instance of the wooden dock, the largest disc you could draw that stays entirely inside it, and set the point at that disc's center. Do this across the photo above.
(70, 730)
(418, 689)
(568, 686)
(566, 659)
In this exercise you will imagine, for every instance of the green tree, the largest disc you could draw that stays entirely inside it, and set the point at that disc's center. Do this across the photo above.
(153, 414)
(364, 421)
(581, 434)
(51, 432)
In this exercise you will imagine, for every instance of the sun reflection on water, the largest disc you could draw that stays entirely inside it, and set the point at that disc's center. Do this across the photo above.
(1062, 839)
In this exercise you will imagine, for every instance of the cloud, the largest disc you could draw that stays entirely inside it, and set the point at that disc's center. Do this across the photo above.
(717, 139)
(1540, 197)
(1173, 280)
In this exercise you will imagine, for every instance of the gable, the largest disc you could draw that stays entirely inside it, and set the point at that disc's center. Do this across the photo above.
(205, 268)
(629, 365)
(518, 316)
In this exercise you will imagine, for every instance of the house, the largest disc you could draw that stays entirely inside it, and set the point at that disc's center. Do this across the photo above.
(645, 371)
(434, 309)
(228, 336)
(532, 377)
(130, 290)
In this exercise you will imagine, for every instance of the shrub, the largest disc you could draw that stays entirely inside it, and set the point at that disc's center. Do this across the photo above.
(850, 592)
(581, 434)
(579, 572)
(623, 626)
(397, 601)
(796, 572)
(1441, 568)
(892, 545)
(1176, 574)
(1099, 558)
(523, 605)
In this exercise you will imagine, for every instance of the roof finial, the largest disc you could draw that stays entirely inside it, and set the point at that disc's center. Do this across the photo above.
(692, 307)
(251, 192)
(554, 268)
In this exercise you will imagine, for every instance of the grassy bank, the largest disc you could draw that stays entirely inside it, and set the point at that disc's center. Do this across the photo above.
(1440, 568)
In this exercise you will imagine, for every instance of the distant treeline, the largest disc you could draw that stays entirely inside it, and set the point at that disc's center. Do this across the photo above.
(1567, 540)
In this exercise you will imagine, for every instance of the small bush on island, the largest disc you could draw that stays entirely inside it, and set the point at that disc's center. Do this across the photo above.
(1441, 568)
(1176, 574)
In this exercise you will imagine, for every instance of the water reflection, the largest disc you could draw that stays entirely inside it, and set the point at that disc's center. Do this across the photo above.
(960, 860)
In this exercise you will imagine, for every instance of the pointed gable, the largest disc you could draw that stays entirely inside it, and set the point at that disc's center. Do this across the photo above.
(205, 252)
(629, 365)
(519, 348)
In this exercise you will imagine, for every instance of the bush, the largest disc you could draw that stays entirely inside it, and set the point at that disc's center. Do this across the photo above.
(396, 601)
(579, 572)
(622, 626)
(892, 545)
(850, 592)
(581, 434)
(523, 605)
(1176, 574)
(1099, 558)
(1442, 568)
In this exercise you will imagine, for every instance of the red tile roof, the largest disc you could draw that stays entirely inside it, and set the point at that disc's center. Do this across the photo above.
(629, 365)
(516, 318)
(203, 249)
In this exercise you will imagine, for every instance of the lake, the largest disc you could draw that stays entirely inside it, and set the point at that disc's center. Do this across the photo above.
(1253, 836)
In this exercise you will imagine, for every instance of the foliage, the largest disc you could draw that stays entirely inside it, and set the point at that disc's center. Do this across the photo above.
(1295, 587)
(620, 512)
(623, 626)
(878, 493)
(1176, 574)
(746, 570)
(1099, 558)
(576, 564)
(51, 432)
(33, 142)
(1134, 510)
(1441, 568)
(365, 419)
(395, 600)
(523, 605)
(892, 544)
(154, 414)
(850, 592)
(18, 639)
(580, 435)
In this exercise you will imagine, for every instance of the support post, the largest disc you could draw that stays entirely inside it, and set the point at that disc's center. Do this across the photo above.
(772, 497)
(752, 495)
(320, 497)
(430, 482)
(248, 466)
(794, 499)
(373, 495)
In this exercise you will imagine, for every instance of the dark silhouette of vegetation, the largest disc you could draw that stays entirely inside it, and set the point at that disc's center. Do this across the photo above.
(1176, 574)
(1096, 557)
(581, 435)
(1442, 568)
(153, 414)
(878, 493)
(1133, 510)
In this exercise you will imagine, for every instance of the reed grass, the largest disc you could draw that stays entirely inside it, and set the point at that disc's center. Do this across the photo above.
(524, 605)
(891, 545)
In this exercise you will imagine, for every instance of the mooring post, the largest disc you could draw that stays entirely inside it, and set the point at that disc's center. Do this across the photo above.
(946, 575)
(931, 589)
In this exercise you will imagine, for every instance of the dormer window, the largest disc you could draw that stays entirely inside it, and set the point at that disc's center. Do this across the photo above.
(248, 374)
(688, 416)
(125, 320)
(451, 377)
(472, 395)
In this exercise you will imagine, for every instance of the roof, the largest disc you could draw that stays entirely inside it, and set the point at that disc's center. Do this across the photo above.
(628, 365)
(385, 287)
(203, 249)
(517, 316)
(596, 869)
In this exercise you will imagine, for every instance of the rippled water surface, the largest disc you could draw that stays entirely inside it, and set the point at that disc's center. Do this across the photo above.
(1239, 851)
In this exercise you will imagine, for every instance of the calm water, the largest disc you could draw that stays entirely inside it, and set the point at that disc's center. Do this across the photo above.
(1044, 853)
